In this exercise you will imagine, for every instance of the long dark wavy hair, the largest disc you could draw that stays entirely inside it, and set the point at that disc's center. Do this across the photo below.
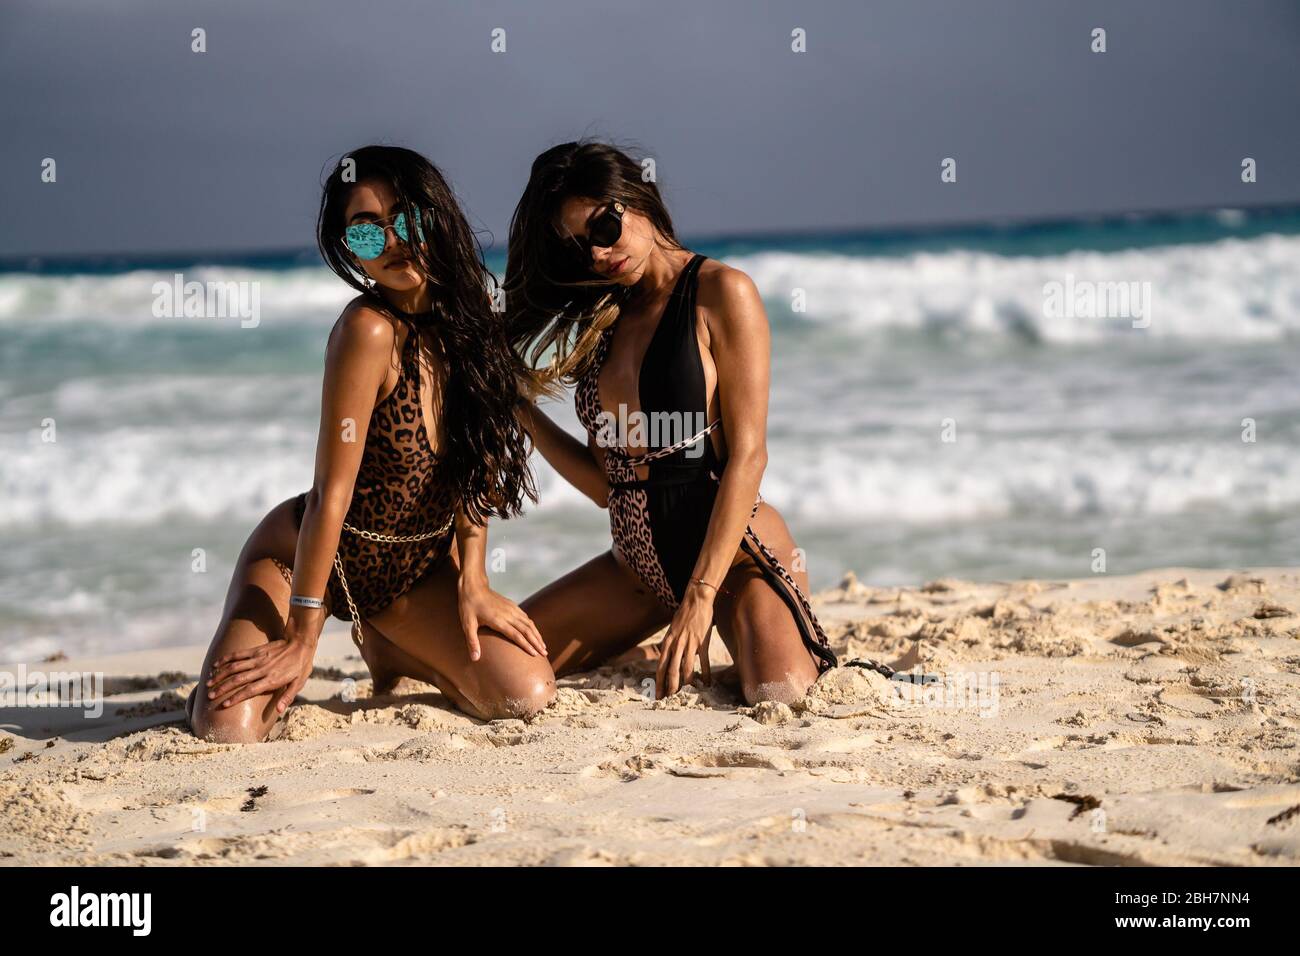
(485, 452)
(556, 306)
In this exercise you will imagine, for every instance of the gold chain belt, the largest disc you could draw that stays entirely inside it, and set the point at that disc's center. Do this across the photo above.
(357, 636)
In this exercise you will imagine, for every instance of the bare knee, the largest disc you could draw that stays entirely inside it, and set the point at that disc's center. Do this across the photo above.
(238, 724)
(521, 695)
(785, 690)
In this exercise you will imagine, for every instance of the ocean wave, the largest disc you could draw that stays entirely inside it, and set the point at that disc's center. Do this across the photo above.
(306, 293)
(1230, 289)
(1233, 289)
(237, 471)
(143, 476)
(991, 480)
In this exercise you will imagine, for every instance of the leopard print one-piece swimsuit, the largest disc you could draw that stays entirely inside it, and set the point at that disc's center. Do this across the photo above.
(659, 522)
(398, 492)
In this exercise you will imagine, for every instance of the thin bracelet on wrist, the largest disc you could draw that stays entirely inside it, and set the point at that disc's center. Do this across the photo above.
(705, 583)
(299, 600)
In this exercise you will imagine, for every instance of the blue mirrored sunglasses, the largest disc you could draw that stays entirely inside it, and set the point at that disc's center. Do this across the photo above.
(367, 240)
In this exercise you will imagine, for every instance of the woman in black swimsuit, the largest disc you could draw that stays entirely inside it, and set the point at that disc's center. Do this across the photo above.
(669, 353)
(418, 446)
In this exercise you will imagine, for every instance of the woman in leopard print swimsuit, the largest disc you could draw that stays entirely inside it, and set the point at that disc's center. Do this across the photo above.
(398, 491)
(418, 447)
(655, 339)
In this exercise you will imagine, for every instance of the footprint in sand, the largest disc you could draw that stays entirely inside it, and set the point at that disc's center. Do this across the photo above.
(720, 763)
(280, 801)
(1188, 700)
(584, 856)
(1264, 799)
(365, 846)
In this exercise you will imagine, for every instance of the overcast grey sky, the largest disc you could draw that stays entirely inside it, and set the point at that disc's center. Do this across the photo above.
(160, 149)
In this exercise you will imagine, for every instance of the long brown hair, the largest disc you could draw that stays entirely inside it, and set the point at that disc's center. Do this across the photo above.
(486, 455)
(556, 307)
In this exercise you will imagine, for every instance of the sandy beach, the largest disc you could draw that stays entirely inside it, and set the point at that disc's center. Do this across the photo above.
(1148, 719)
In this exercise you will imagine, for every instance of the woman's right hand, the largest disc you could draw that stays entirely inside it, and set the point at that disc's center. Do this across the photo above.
(480, 606)
(284, 666)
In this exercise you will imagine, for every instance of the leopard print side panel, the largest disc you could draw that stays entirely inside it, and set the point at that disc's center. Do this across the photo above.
(629, 520)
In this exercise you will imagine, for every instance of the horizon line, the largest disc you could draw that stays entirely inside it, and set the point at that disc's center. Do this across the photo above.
(15, 262)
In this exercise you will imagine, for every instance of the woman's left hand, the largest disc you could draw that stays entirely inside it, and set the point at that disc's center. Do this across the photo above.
(688, 636)
(480, 606)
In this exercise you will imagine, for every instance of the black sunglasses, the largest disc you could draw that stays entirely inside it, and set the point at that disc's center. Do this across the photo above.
(603, 231)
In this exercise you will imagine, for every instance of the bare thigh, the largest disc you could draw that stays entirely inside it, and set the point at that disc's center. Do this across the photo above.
(420, 635)
(594, 613)
(256, 609)
(756, 624)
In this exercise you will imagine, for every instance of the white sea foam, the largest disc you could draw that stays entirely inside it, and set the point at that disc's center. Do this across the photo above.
(1246, 289)
(311, 293)
(937, 485)
(1234, 289)
(145, 475)
(238, 470)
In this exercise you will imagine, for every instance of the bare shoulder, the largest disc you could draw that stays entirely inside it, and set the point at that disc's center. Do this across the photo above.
(363, 328)
(728, 297)
(721, 285)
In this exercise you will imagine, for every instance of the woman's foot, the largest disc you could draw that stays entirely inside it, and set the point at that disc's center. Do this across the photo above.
(728, 678)
(377, 653)
(637, 655)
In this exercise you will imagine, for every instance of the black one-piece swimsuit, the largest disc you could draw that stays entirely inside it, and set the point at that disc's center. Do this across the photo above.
(659, 522)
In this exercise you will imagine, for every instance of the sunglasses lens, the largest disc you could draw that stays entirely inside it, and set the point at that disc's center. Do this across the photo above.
(399, 226)
(606, 230)
(366, 240)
